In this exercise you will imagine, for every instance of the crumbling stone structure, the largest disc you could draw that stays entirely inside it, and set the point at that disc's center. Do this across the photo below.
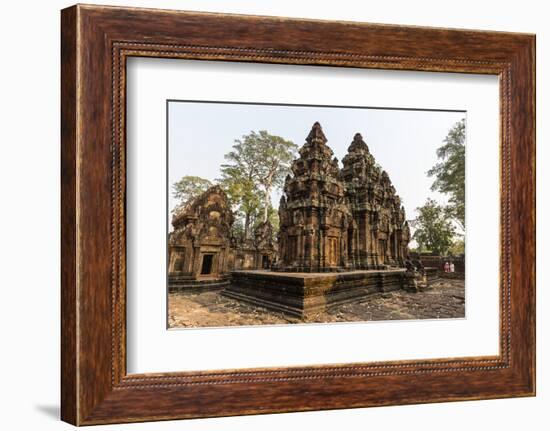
(264, 246)
(200, 244)
(258, 252)
(202, 250)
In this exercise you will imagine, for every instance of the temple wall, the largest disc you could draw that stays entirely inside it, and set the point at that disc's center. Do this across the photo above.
(439, 261)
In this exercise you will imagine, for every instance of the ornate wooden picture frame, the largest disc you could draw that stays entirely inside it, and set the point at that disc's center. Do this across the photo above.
(96, 42)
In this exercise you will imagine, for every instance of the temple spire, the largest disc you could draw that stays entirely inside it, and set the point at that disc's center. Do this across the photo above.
(358, 144)
(316, 134)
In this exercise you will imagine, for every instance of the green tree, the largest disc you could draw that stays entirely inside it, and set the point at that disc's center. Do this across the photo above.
(238, 179)
(457, 248)
(237, 229)
(275, 156)
(273, 217)
(433, 229)
(189, 187)
(450, 171)
(256, 165)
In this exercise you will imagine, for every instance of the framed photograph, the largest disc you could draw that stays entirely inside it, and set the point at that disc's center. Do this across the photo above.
(264, 214)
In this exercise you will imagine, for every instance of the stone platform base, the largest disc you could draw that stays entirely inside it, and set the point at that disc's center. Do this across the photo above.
(305, 295)
(186, 283)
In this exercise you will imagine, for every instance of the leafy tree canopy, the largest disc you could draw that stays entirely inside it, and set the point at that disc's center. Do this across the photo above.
(450, 171)
(275, 156)
(189, 187)
(256, 165)
(457, 248)
(434, 231)
(238, 177)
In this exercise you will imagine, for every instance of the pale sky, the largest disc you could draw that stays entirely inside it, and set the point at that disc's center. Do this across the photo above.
(403, 142)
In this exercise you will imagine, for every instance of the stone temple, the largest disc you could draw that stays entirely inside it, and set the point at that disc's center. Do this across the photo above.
(332, 219)
(202, 250)
(343, 235)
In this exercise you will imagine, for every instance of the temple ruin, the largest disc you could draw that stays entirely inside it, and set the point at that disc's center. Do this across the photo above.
(200, 244)
(332, 219)
(380, 236)
(343, 235)
(314, 213)
(202, 249)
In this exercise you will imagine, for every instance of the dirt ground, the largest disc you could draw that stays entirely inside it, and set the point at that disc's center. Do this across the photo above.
(444, 299)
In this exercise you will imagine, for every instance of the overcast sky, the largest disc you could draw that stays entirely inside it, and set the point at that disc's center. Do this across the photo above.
(403, 142)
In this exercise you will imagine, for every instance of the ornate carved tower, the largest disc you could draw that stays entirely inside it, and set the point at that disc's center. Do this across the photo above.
(314, 215)
(358, 173)
(381, 235)
(200, 244)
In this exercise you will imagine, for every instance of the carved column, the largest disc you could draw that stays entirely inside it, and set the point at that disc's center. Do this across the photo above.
(197, 261)
(308, 261)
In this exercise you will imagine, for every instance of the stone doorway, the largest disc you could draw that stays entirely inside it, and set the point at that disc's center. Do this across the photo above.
(207, 264)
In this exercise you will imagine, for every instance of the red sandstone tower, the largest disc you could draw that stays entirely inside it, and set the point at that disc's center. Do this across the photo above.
(381, 234)
(335, 220)
(314, 214)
